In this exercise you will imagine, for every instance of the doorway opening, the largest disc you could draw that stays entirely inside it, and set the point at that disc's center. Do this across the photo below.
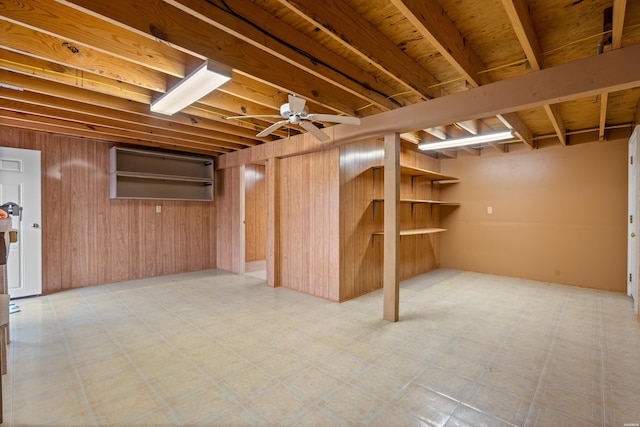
(255, 221)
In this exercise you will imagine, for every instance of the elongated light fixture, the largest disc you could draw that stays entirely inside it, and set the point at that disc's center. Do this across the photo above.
(201, 81)
(470, 140)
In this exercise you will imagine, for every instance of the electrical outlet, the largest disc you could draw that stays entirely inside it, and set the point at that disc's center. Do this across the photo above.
(489, 210)
(158, 208)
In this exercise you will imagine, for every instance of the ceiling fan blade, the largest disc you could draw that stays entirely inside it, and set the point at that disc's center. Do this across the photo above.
(313, 130)
(272, 128)
(296, 104)
(334, 118)
(263, 116)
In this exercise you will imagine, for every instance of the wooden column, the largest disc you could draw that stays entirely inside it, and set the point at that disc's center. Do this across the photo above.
(391, 267)
(230, 219)
(272, 171)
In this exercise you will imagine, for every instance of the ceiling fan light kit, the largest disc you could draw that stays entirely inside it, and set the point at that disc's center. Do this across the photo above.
(295, 112)
(203, 80)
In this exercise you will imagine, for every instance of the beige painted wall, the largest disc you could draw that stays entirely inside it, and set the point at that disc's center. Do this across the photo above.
(559, 214)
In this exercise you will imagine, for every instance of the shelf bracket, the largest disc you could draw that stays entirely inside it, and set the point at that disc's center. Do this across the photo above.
(375, 169)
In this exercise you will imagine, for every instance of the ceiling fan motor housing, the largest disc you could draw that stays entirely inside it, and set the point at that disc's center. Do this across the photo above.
(293, 116)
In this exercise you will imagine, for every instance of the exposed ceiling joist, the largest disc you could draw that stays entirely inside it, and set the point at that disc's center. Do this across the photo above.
(615, 70)
(617, 25)
(346, 26)
(91, 68)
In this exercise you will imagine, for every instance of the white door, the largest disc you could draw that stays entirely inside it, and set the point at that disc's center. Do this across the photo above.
(633, 245)
(20, 184)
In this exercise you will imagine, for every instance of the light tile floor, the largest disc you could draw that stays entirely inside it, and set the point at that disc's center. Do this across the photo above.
(213, 348)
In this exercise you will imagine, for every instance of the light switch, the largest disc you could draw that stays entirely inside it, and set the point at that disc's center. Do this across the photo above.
(158, 208)
(489, 210)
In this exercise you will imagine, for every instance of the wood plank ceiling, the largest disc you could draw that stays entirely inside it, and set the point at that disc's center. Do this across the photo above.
(91, 68)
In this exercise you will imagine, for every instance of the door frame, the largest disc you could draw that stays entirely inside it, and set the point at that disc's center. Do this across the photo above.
(30, 235)
(633, 235)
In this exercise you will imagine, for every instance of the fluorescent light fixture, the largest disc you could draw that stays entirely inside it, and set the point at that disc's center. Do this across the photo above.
(201, 81)
(461, 142)
(437, 132)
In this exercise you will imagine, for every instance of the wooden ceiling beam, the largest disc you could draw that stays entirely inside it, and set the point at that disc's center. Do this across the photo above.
(65, 106)
(636, 115)
(253, 91)
(619, 9)
(553, 113)
(157, 19)
(74, 26)
(611, 71)
(602, 122)
(114, 127)
(70, 54)
(70, 77)
(434, 24)
(350, 29)
(190, 116)
(45, 124)
(522, 131)
(290, 45)
(503, 148)
(518, 13)
(619, 12)
(77, 78)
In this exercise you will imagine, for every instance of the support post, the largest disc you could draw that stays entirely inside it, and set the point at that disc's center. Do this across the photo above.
(272, 170)
(391, 280)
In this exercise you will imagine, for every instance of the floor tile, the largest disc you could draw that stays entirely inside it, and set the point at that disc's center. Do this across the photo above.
(213, 348)
(427, 405)
(498, 404)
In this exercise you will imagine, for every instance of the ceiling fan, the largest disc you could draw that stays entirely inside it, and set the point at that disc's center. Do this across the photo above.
(296, 113)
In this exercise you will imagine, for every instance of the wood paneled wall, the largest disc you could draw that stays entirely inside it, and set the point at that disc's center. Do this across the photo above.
(309, 223)
(559, 215)
(360, 257)
(255, 213)
(229, 198)
(89, 239)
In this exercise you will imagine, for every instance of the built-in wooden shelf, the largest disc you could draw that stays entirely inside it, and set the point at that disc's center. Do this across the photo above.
(415, 231)
(414, 202)
(162, 177)
(414, 172)
(418, 201)
(412, 232)
(146, 174)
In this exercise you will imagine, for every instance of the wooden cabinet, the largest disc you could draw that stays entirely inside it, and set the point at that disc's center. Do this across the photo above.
(146, 174)
(415, 174)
